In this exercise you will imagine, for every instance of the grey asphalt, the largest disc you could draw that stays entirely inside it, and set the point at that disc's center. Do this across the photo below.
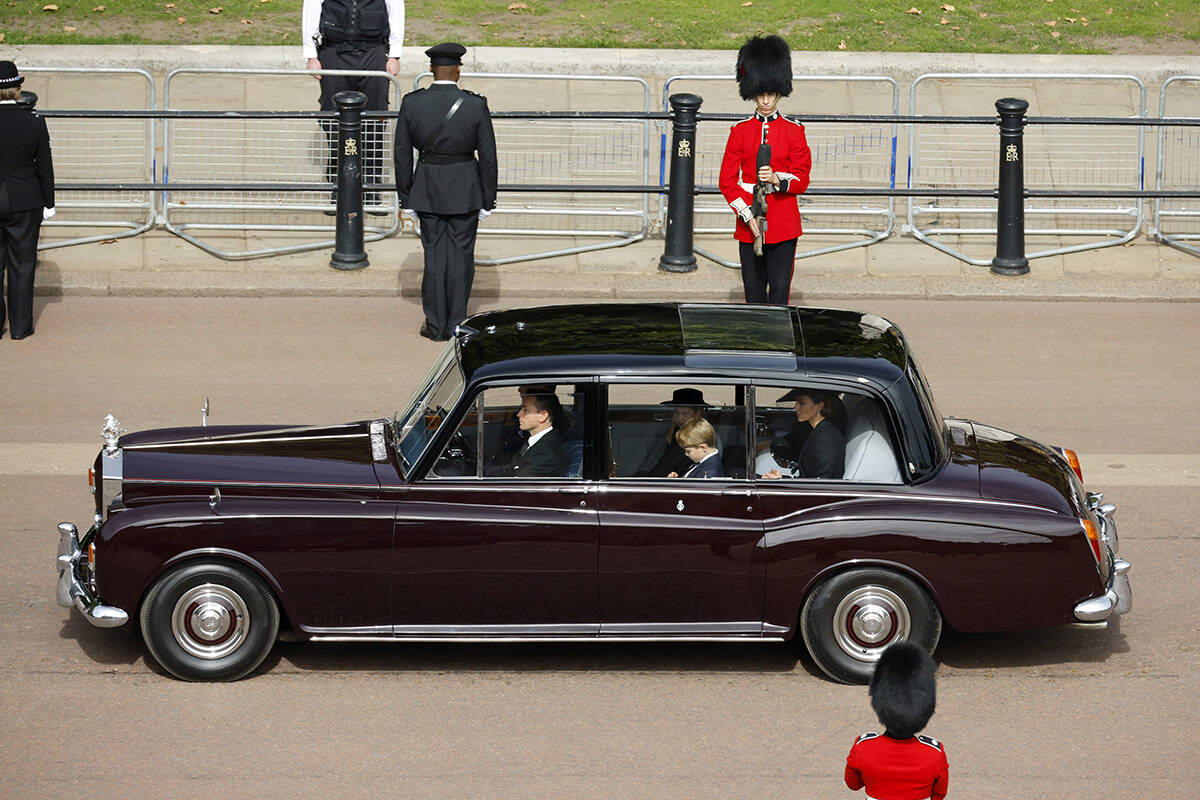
(159, 263)
(1056, 714)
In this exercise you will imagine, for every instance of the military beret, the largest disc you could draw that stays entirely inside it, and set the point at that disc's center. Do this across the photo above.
(446, 54)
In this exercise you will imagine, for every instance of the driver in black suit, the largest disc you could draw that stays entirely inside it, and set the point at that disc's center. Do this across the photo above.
(543, 454)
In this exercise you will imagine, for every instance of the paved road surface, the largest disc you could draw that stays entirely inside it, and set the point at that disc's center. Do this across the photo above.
(1056, 714)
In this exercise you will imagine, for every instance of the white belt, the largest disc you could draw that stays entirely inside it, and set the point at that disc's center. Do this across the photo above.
(749, 187)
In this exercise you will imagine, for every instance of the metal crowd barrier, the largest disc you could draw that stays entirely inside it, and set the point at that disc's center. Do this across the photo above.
(586, 153)
(1091, 158)
(856, 154)
(265, 150)
(1178, 165)
(109, 150)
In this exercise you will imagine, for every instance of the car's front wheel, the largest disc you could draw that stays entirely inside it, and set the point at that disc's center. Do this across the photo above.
(851, 618)
(209, 622)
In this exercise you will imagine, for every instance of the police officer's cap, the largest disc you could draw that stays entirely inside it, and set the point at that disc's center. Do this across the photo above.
(446, 54)
(9, 76)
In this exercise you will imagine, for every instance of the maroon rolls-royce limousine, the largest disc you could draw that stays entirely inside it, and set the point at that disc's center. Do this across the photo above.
(622, 472)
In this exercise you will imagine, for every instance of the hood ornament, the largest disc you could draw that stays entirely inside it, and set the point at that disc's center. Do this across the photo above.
(111, 431)
(204, 414)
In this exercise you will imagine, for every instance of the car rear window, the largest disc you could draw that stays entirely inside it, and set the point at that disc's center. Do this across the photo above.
(737, 328)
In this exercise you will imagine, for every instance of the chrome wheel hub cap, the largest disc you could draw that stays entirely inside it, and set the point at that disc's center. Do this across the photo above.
(867, 620)
(210, 621)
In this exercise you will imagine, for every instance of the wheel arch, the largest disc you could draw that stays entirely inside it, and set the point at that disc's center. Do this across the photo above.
(225, 555)
(832, 570)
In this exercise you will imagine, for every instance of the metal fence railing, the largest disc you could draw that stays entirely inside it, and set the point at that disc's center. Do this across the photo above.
(287, 150)
(106, 150)
(245, 184)
(1177, 221)
(581, 152)
(1092, 158)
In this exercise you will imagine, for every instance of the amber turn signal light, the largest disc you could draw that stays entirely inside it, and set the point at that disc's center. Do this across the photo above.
(1073, 460)
(1089, 529)
(92, 479)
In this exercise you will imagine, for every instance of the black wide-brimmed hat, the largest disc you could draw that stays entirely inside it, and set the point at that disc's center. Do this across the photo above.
(9, 77)
(686, 397)
(764, 66)
(903, 690)
(447, 54)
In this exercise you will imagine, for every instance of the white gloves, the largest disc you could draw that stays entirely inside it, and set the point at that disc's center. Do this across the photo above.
(47, 213)
(484, 214)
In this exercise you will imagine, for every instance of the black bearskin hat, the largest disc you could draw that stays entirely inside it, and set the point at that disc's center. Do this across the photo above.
(903, 691)
(764, 64)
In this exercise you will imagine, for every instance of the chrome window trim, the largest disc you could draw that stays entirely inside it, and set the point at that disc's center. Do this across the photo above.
(216, 442)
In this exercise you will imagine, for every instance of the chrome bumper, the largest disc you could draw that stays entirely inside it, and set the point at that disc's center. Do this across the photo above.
(74, 591)
(1114, 602)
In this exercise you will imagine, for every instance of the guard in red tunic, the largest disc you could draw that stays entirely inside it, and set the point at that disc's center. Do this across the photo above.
(764, 74)
(900, 764)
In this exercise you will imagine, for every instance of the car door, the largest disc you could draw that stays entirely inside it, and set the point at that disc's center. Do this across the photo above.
(677, 556)
(478, 551)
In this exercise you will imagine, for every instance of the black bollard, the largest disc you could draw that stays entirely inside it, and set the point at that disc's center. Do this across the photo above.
(348, 250)
(1010, 207)
(681, 190)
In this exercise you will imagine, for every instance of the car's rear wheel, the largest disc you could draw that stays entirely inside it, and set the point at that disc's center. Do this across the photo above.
(209, 622)
(851, 618)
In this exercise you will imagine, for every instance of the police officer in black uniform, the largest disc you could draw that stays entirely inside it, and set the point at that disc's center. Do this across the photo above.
(26, 197)
(452, 187)
(357, 35)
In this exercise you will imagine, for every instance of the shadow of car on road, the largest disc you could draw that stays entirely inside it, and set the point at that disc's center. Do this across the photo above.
(1042, 647)
(538, 657)
(106, 647)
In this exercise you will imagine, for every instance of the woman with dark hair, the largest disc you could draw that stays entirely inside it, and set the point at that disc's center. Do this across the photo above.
(26, 196)
(768, 155)
(823, 454)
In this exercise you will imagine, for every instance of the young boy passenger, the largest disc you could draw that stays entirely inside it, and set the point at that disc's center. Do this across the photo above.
(698, 439)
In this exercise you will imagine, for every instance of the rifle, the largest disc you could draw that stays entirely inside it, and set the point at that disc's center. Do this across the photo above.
(759, 209)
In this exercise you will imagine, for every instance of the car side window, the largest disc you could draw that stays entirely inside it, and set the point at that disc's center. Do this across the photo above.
(815, 434)
(527, 431)
(645, 419)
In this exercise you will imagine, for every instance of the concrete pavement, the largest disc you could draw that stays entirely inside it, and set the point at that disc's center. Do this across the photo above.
(160, 263)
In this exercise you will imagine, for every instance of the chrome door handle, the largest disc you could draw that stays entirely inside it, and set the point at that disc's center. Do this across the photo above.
(736, 492)
(577, 490)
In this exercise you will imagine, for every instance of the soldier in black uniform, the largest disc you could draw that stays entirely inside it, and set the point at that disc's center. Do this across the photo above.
(26, 196)
(451, 189)
(358, 35)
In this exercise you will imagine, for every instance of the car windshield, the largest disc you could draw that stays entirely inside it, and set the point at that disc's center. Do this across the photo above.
(413, 428)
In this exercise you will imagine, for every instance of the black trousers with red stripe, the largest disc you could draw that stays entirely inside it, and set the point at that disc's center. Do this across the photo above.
(768, 278)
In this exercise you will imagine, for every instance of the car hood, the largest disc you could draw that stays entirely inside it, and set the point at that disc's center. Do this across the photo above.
(1013, 467)
(248, 456)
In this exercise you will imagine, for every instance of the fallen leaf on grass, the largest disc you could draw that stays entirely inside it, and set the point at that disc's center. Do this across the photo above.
(50, 8)
(877, 21)
(947, 8)
(1055, 34)
(181, 20)
(914, 10)
(245, 21)
(747, 4)
(943, 21)
(1050, 23)
(216, 10)
(1109, 11)
(517, 7)
(169, 5)
(1, 37)
(99, 8)
(69, 28)
(982, 14)
(842, 44)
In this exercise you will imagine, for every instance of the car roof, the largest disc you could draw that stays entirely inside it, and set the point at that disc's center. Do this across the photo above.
(682, 337)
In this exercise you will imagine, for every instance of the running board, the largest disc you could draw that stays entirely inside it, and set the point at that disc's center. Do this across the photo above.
(502, 639)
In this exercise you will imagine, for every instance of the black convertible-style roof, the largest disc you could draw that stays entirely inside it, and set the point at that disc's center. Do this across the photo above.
(686, 335)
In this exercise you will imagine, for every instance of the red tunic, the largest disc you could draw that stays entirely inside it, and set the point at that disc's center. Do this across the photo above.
(790, 159)
(898, 769)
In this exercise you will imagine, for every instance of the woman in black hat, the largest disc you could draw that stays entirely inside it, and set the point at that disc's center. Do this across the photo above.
(764, 75)
(26, 196)
(686, 404)
(823, 453)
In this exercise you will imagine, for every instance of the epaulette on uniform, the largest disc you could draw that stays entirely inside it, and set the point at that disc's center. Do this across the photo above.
(865, 737)
(468, 91)
(929, 740)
